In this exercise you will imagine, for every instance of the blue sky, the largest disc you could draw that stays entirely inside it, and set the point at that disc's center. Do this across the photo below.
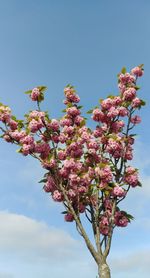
(53, 43)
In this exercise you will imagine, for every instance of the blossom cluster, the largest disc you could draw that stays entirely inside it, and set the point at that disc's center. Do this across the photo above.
(86, 162)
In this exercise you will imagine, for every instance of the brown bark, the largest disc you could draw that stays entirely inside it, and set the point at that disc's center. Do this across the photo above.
(104, 270)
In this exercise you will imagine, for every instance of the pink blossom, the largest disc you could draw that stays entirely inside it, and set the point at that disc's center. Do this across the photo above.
(117, 101)
(120, 219)
(98, 115)
(117, 126)
(69, 217)
(104, 225)
(118, 191)
(61, 155)
(62, 138)
(5, 114)
(107, 103)
(115, 148)
(137, 71)
(54, 125)
(34, 125)
(71, 193)
(113, 112)
(50, 185)
(36, 115)
(13, 124)
(135, 120)
(57, 196)
(28, 139)
(129, 94)
(66, 121)
(27, 149)
(68, 129)
(132, 180)
(136, 102)
(78, 120)
(35, 94)
(126, 78)
(81, 208)
(123, 111)
(98, 132)
(73, 111)
(43, 149)
(17, 135)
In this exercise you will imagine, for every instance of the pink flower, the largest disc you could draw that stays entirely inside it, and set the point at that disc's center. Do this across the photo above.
(57, 196)
(136, 102)
(104, 225)
(61, 155)
(78, 120)
(115, 148)
(123, 111)
(66, 121)
(117, 101)
(137, 71)
(69, 217)
(13, 124)
(71, 193)
(117, 126)
(35, 94)
(126, 78)
(129, 94)
(120, 219)
(34, 125)
(118, 191)
(18, 135)
(73, 111)
(132, 180)
(113, 112)
(27, 140)
(5, 114)
(98, 115)
(135, 120)
(107, 103)
(54, 125)
(50, 185)
(27, 149)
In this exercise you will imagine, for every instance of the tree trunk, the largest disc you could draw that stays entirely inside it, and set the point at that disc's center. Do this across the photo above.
(104, 270)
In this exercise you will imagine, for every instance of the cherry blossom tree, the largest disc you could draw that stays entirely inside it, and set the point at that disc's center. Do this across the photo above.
(87, 170)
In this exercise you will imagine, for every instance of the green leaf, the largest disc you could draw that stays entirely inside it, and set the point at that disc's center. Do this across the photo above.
(133, 135)
(79, 107)
(41, 97)
(137, 87)
(64, 212)
(141, 66)
(90, 111)
(143, 103)
(64, 110)
(18, 151)
(111, 96)
(14, 118)
(123, 70)
(28, 92)
(43, 180)
(82, 123)
(139, 184)
(42, 89)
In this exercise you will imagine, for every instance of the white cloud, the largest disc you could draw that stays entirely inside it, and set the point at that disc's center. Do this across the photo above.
(33, 240)
(6, 275)
(29, 248)
(137, 262)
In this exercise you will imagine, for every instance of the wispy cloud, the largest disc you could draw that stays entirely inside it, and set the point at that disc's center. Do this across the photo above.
(33, 240)
(131, 263)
